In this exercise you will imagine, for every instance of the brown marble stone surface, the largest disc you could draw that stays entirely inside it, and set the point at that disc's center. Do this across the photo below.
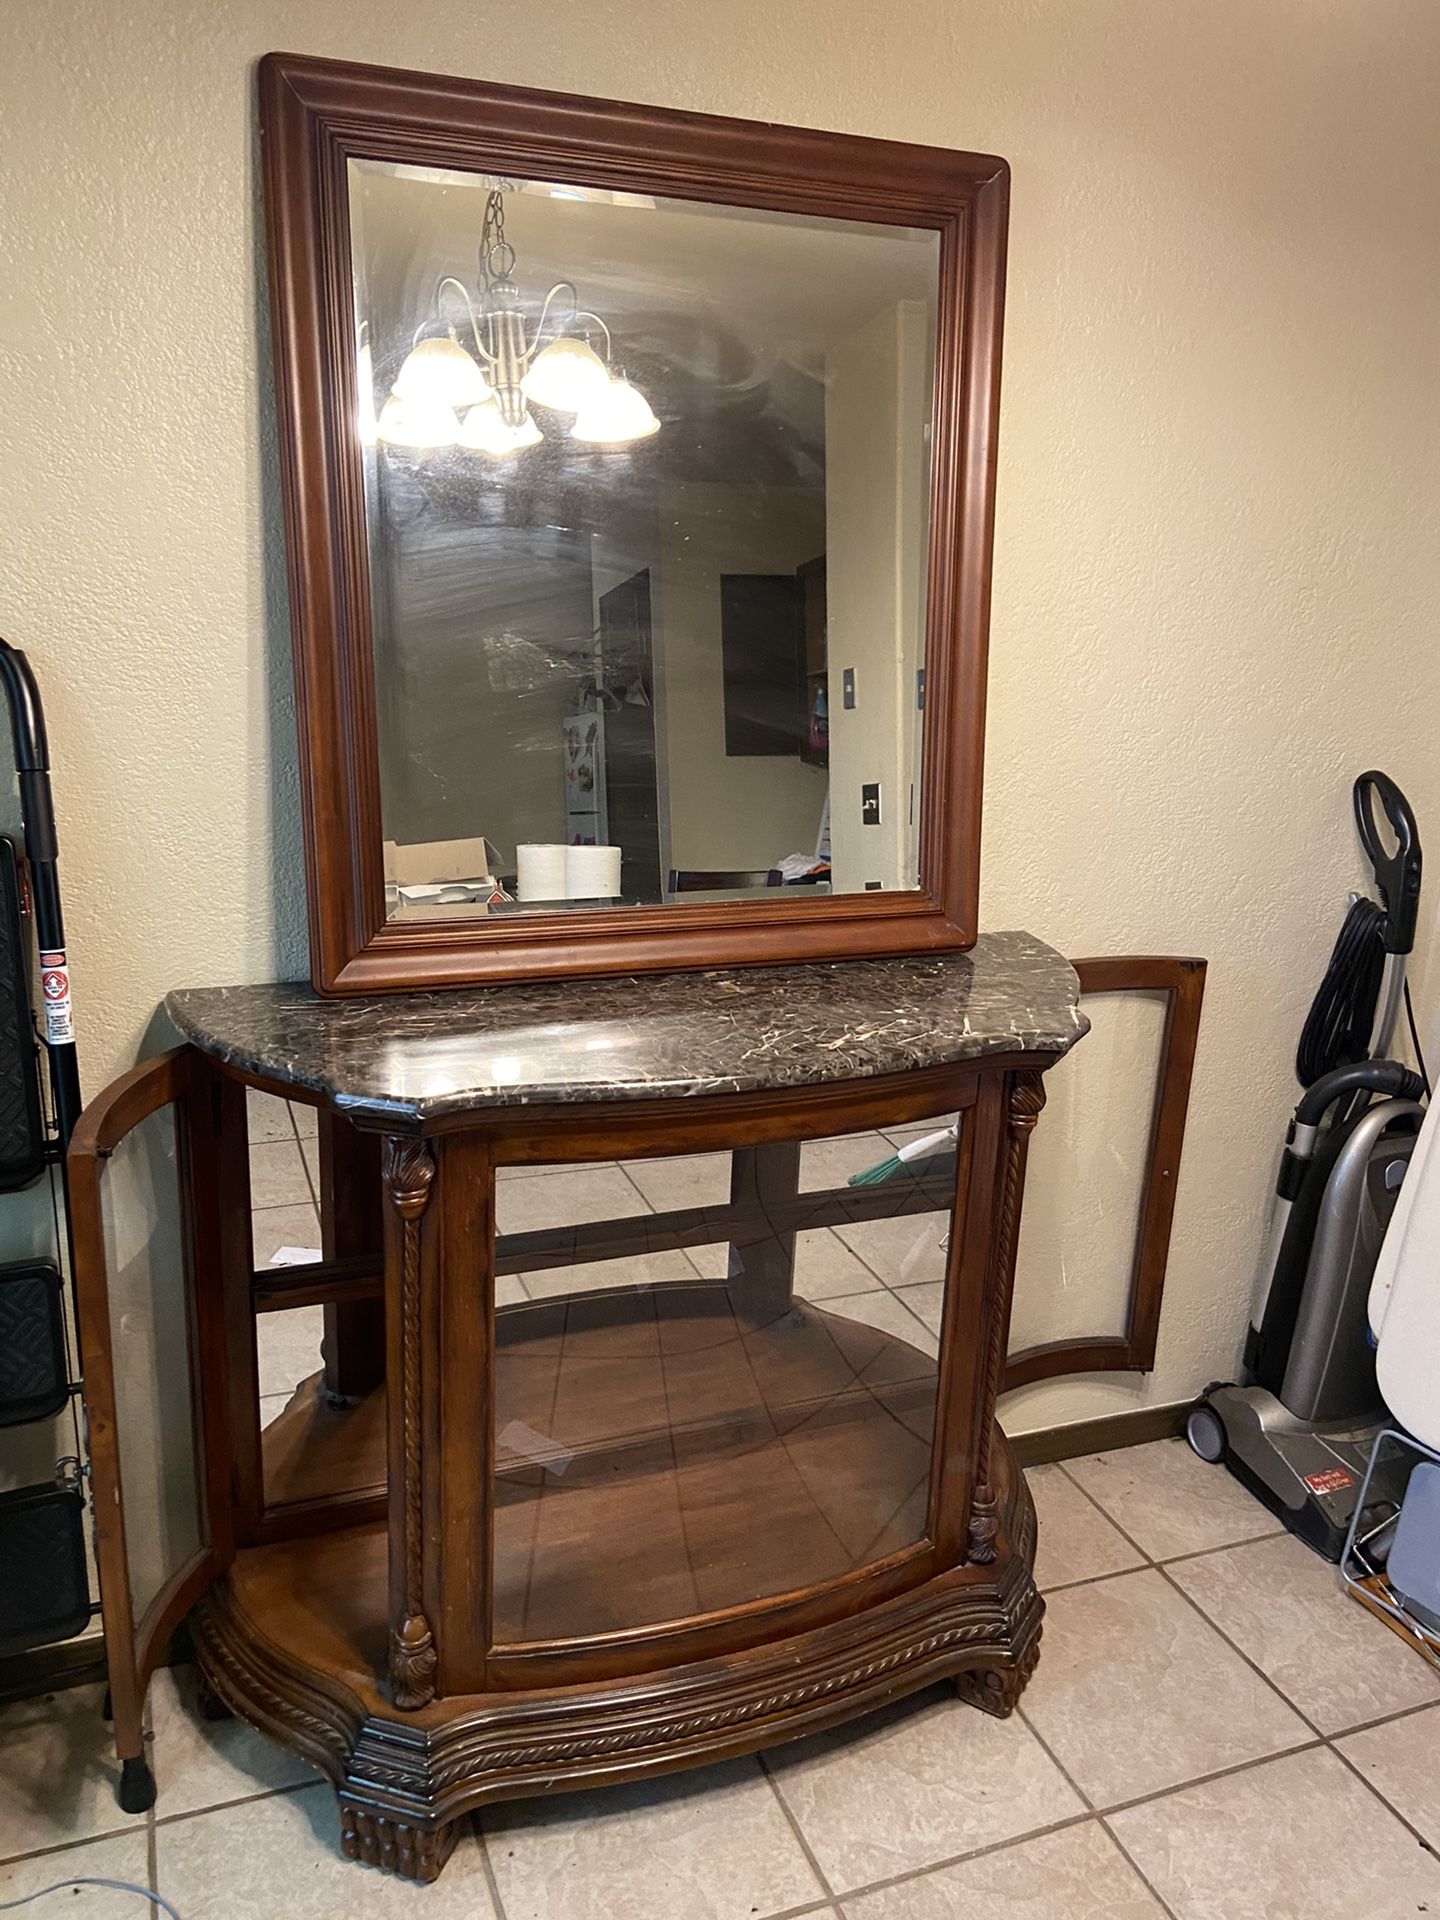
(415, 1057)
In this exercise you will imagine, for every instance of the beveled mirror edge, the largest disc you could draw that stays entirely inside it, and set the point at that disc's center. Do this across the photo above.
(315, 116)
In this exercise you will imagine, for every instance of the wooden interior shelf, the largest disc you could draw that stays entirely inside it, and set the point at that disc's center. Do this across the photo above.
(661, 1456)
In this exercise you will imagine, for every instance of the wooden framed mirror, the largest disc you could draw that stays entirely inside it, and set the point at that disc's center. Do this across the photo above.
(638, 473)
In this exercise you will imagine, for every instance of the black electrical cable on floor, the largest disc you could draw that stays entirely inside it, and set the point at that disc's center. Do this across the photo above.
(1342, 1016)
(1415, 1040)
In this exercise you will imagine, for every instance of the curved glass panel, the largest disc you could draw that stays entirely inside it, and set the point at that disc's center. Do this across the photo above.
(145, 1259)
(1086, 1176)
(718, 1391)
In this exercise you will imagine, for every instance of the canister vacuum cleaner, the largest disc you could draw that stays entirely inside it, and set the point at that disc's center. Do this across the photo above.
(1298, 1432)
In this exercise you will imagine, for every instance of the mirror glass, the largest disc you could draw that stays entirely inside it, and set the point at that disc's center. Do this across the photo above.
(647, 500)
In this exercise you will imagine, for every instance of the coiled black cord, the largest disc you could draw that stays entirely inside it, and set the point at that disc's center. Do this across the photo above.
(1342, 1015)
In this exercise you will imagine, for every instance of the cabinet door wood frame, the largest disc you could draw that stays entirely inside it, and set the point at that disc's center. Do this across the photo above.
(316, 116)
(135, 1642)
(1182, 980)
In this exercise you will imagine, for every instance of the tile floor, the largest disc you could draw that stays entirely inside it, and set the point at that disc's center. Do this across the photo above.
(1214, 1733)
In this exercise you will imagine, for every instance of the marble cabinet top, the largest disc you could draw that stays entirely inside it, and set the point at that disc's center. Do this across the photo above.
(409, 1058)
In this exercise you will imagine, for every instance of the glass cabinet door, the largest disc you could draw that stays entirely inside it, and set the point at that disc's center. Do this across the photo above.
(715, 1377)
(141, 1179)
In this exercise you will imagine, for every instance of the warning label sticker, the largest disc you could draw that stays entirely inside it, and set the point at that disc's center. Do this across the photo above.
(55, 990)
(1330, 1481)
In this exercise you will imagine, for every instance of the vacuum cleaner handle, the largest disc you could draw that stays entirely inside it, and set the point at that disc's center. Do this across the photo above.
(1364, 1076)
(1397, 874)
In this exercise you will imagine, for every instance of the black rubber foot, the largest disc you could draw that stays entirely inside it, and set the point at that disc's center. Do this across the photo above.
(137, 1786)
(209, 1705)
(107, 1708)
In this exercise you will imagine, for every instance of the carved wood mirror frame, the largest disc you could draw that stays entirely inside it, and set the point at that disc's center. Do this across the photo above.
(316, 116)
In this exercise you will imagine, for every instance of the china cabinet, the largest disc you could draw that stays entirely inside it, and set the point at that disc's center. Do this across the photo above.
(638, 471)
(681, 1455)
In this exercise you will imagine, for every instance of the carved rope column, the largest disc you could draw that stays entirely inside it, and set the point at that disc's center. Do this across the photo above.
(409, 1176)
(1027, 1097)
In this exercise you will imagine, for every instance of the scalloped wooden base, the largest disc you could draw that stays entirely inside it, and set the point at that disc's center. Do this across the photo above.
(293, 1639)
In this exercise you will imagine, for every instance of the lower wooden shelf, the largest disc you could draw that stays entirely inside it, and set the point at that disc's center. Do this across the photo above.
(662, 1453)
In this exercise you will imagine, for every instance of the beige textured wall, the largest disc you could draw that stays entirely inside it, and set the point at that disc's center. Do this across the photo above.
(1216, 570)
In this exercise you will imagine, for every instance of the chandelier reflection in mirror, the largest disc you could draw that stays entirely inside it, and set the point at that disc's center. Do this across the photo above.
(445, 396)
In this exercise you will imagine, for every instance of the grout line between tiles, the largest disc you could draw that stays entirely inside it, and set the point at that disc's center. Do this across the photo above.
(68, 1846)
(891, 1286)
(1151, 1559)
(1094, 1579)
(1322, 1739)
(869, 1294)
(1207, 1779)
(487, 1865)
(795, 1913)
(796, 1829)
(962, 1859)
(877, 1277)
(644, 1198)
(242, 1800)
(1105, 1514)
(1383, 1720)
(1081, 1794)
(311, 1179)
(1139, 1871)
(1065, 1774)
(1233, 1546)
(1239, 1652)
(1389, 1805)
(1321, 1745)
(686, 1253)
(152, 1854)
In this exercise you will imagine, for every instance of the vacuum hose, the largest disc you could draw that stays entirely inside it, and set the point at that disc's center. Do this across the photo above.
(1385, 1077)
(1338, 1026)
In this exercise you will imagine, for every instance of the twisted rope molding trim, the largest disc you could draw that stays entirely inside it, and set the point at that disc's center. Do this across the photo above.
(447, 1772)
(409, 1176)
(1027, 1097)
(241, 1684)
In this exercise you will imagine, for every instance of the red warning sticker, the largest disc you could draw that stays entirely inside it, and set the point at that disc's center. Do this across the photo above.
(55, 990)
(1330, 1481)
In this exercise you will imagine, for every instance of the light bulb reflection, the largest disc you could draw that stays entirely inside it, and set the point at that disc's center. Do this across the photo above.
(566, 375)
(422, 425)
(483, 431)
(439, 372)
(615, 417)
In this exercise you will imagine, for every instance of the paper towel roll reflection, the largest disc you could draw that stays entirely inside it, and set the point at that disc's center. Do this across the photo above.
(540, 871)
(592, 873)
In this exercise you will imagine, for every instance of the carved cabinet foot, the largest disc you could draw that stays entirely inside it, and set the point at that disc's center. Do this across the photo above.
(997, 1690)
(414, 1853)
